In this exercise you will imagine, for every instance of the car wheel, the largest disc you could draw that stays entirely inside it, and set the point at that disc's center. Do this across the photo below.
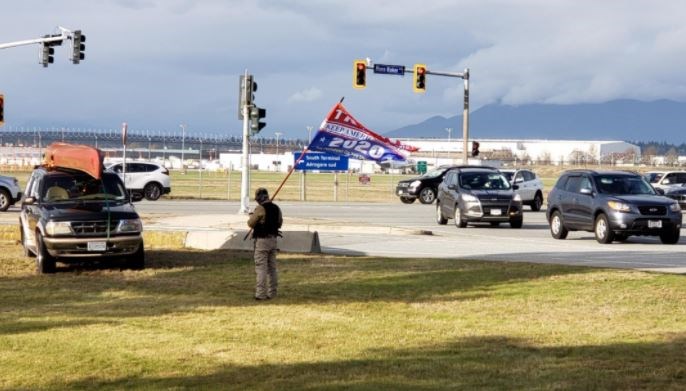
(516, 223)
(5, 199)
(670, 236)
(557, 226)
(407, 200)
(537, 203)
(459, 223)
(137, 260)
(440, 219)
(152, 191)
(603, 233)
(45, 263)
(427, 195)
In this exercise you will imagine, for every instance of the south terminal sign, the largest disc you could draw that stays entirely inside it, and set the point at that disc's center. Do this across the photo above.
(321, 161)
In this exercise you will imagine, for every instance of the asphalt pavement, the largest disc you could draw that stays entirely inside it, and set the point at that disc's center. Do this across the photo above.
(399, 230)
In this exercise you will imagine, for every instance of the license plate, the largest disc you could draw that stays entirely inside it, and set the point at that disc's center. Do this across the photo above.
(496, 212)
(97, 246)
(654, 223)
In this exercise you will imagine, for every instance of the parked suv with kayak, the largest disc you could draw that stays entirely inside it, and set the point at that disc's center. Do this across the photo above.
(475, 194)
(424, 187)
(529, 187)
(612, 204)
(69, 215)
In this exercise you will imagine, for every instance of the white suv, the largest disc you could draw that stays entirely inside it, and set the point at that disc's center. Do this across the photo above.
(149, 179)
(529, 187)
(666, 180)
(10, 192)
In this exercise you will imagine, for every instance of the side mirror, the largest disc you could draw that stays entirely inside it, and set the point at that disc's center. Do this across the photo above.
(29, 201)
(586, 191)
(515, 187)
(660, 191)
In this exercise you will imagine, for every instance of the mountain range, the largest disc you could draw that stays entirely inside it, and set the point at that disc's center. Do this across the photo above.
(628, 120)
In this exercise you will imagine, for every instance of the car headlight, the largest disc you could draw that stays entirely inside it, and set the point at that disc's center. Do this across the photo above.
(517, 198)
(469, 198)
(415, 183)
(619, 206)
(675, 207)
(132, 225)
(53, 228)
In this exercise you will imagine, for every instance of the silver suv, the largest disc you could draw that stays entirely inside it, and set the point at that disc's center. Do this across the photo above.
(10, 192)
(530, 187)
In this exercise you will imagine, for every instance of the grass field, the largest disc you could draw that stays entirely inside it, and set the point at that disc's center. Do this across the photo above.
(189, 321)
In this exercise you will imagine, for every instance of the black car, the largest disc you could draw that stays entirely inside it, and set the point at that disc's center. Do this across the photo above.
(424, 187)
(678, 194)
(470, 194)
(68, 215)
(612, 204)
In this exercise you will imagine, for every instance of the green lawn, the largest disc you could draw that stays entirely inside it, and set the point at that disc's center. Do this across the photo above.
(341, 323)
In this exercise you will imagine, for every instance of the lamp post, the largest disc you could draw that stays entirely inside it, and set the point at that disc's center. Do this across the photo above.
(450, 133)
(183, 145)
(277, 134)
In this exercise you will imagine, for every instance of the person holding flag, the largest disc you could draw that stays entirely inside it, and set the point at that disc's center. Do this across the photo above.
(265, 223)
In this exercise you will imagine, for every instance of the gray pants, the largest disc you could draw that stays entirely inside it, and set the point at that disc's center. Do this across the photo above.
(265, 268)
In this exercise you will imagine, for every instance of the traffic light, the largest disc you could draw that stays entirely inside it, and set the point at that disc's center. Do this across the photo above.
(2, 109)
(256, 114)
(419, 78)
(47, 54)
(475, 148)
(360, 74)
(78, 47)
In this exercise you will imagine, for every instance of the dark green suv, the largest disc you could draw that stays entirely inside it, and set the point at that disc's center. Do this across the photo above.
(68, 215)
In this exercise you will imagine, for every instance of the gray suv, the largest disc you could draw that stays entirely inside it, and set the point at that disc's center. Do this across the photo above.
(471, 194)
(612, 204)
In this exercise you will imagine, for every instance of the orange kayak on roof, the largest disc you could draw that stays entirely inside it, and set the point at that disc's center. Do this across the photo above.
(76, 157)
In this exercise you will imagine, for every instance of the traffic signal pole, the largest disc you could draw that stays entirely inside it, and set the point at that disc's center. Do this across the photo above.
(360, 81)
(245, 158)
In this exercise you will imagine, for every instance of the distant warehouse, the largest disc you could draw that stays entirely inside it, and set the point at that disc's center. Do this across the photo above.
(535, 151)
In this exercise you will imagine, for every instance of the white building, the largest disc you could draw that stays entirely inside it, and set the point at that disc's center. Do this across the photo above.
(555, 151)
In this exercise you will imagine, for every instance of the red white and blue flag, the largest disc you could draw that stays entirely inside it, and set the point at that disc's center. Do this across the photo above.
(342, 134)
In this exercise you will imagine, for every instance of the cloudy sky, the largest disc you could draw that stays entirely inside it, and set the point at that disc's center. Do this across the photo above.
(159, 63)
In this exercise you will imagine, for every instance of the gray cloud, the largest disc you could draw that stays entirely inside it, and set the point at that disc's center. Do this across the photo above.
(156, 63)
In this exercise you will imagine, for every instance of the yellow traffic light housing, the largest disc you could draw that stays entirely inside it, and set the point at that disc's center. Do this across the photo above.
(360, 74)
(419, 78)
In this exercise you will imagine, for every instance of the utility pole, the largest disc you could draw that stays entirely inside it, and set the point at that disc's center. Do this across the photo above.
(450, 131)
(309, 135)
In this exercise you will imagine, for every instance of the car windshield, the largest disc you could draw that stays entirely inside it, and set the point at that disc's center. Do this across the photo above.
(623, 185)
(484, 181)
(433, 173)
(80, 186)
(653, 177)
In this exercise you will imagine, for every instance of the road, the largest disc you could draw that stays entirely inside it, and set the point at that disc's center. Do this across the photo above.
(531, 243)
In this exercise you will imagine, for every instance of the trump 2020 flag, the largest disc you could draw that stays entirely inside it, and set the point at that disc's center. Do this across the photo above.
(342, 134)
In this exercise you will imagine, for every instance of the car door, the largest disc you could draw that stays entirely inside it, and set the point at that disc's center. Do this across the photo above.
(448, 191)
(584, 203)
(30, 212)
(568, 201)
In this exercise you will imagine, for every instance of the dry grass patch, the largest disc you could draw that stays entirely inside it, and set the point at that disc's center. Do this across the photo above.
(189, 321)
